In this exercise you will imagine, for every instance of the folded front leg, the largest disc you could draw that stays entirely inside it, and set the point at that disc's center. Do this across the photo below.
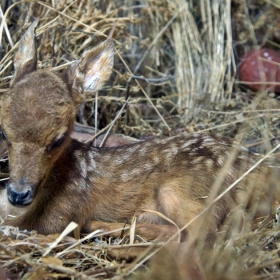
(150, 232)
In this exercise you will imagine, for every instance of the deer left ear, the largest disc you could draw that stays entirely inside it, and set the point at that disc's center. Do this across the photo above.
(93, 69)
(25, 60)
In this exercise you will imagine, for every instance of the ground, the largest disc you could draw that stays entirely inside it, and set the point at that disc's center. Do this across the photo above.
(176, 69)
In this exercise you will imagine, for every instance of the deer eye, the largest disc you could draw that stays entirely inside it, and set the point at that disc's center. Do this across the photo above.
(56, 143)
(4, 136)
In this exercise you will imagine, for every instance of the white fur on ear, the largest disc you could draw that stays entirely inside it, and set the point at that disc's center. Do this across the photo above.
(94, 68)
(99, 68)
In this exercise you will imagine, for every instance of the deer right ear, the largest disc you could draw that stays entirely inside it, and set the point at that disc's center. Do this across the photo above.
(25, 60)
(92, 70)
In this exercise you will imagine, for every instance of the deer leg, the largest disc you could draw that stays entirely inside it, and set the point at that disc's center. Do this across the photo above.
(147, 231)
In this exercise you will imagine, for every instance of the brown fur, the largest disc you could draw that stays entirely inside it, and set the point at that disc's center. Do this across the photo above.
(77, 182)
(6, 275)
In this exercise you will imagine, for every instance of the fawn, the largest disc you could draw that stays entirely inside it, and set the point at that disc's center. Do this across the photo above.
(55, 179)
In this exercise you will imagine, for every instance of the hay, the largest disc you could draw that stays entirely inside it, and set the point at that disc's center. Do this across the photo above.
(175, 70)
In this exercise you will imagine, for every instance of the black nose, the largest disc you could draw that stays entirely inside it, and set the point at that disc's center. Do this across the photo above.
(19, 198)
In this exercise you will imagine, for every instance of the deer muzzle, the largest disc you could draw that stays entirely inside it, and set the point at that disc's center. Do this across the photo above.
(20, 195)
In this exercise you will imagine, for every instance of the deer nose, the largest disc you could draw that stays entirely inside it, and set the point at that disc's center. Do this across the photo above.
(19, 198)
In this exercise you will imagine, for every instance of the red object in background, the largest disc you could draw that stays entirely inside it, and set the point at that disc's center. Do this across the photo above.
(262, 65)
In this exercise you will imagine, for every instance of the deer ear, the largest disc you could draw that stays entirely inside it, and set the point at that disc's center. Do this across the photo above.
(25, 60)
(93, 69)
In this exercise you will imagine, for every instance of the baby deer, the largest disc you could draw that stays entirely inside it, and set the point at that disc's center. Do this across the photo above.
(56, 180)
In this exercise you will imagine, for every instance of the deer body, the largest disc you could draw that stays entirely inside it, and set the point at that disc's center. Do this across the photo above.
(109, 185)
(58, 180)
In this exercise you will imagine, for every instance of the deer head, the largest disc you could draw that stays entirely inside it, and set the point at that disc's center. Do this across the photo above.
(39, 110)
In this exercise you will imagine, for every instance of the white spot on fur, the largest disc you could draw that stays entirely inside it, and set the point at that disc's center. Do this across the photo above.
(209, 163)
(133, 173)
(126, 157)
(108, 157)
(143, 151)
(197, 135)
(92, 163)
(168, 155)
(118, 160)
(198, 160)
(156, 160)
(188, 143)
(83, 167)
(148, 144)
(124, 177)
(133, 149)
(157, 141)
(147, 166)
(221, 160)
(209, 140)
(174, 149)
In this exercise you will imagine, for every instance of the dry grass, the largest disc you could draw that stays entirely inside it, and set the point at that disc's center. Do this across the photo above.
(175, 68)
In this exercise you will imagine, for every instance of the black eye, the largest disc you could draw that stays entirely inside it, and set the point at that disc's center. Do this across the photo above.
(4, 136)
(56, 143)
